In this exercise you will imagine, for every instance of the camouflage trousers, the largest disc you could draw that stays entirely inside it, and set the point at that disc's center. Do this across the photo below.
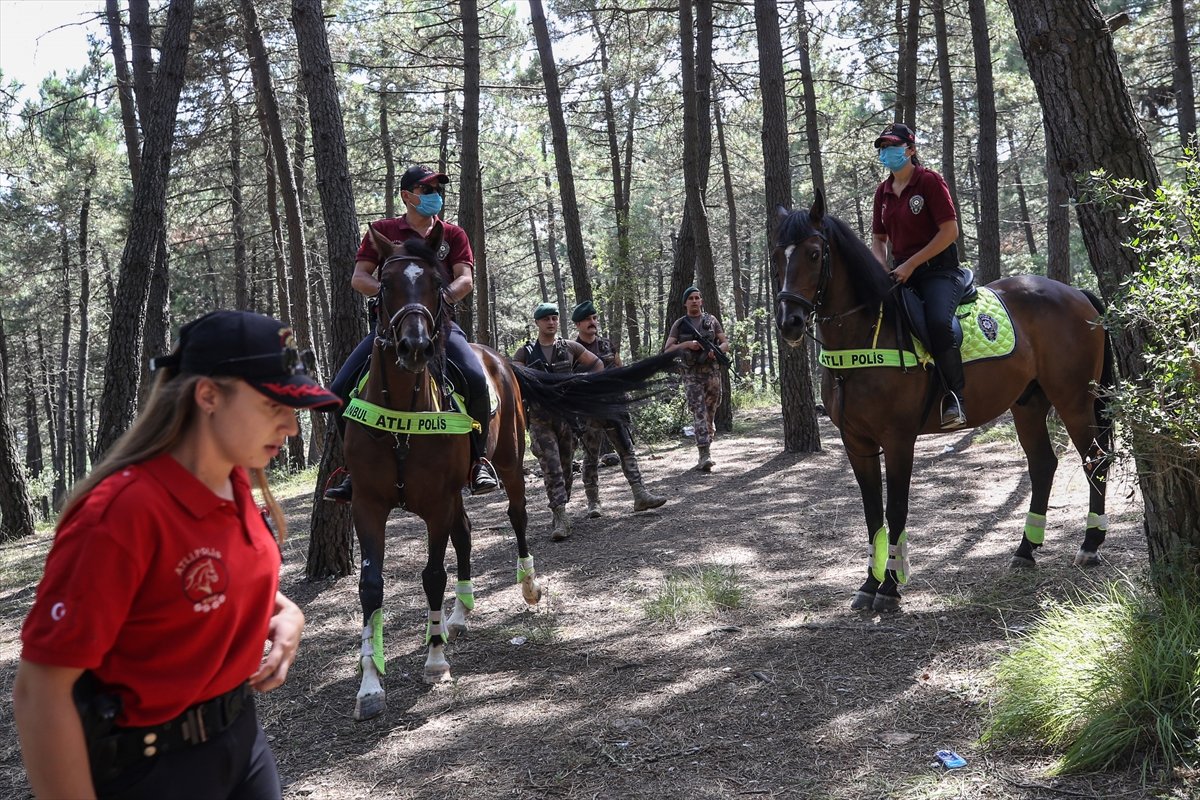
(553, 442)
(703, 387)
(594, 437)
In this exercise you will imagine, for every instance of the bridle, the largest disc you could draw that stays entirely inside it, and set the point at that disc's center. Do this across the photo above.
(387, 334)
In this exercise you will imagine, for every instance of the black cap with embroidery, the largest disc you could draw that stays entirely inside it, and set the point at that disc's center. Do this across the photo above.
(421, 174)
(896, 133)
(254, 347)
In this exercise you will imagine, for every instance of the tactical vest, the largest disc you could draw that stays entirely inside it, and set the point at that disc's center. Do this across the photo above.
(707, 328)
(561, 362)
(602, 349)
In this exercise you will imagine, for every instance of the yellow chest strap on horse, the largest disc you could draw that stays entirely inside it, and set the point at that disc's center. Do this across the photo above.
(868, 356)
(409, 422)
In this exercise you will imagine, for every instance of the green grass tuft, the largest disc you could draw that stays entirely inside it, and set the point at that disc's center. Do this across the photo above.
(699, 592)
(1109, 679)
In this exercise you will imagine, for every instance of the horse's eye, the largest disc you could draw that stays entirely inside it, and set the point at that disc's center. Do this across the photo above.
(814, 255)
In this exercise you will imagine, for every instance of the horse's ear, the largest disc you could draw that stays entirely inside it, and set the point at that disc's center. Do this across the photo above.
(383, 245)
(817, 211)
(434, 239)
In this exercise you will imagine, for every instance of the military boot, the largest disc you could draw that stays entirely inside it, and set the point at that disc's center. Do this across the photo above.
(643, 499)
(593, 498)
(705, 462)
(561, 528)
(342, 493)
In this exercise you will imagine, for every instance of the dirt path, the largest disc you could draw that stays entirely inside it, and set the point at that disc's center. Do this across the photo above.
(787, 695)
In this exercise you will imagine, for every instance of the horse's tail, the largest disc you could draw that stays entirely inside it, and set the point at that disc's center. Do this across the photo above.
(609, 394)
(1108, 383)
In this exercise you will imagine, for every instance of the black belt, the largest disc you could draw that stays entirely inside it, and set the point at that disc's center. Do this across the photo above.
(123, 746)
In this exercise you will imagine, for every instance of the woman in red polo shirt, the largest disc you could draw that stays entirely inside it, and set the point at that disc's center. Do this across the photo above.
(145, 642)
(914, 212)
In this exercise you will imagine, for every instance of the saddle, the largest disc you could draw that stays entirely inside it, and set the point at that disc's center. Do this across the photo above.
(913, 308)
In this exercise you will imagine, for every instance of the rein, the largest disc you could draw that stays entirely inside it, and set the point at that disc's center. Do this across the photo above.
(386, 335)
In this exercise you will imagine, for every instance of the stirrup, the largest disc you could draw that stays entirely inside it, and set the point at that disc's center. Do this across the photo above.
(484, 478)
(953, 415)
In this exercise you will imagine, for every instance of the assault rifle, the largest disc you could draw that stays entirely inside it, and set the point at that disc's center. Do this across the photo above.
(711, 347)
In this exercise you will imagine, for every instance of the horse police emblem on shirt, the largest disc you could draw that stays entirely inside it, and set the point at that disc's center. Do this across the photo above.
(443, 251)
(916, 203)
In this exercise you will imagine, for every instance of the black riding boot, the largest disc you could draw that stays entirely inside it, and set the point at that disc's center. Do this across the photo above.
(483, 475)
(343, 492)
(954, 413)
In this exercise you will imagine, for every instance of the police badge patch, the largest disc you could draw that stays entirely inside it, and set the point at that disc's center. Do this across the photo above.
(988, 327)
(916, 203)
(443, 251)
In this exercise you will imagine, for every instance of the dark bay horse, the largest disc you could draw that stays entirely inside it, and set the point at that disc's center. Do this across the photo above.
(400, 457)
(830, 279)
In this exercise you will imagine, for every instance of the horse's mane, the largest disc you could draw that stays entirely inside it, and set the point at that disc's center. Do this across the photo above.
(870, 281)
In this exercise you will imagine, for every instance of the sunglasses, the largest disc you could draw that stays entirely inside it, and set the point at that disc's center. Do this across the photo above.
(423, 188)
(289, 360)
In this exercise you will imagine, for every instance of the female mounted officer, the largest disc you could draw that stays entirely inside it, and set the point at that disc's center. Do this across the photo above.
(144, 645)
(914, 211)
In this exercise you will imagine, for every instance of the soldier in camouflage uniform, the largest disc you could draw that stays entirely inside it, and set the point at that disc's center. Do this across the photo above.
(701, 375)
(553, 440)
(599, 432)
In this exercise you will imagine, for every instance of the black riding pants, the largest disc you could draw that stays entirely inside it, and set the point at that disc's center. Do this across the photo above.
(236, 764)
(941, 291)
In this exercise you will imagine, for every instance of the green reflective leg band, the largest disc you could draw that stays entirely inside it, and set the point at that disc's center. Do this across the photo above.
(465, 593)
(434, 627)
(377, 640)
(879, 555)
(524, 568)
(1035, 527)
(1098, 521)
(898, 558)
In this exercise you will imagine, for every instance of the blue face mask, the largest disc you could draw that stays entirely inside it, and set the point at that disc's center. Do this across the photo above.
(430, 204)
(893, 157)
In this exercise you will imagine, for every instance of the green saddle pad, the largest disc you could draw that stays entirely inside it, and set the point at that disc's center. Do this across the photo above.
(987, 329)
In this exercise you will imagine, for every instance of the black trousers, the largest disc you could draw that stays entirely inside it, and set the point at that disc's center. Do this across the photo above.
(237, 764)
(941, 290)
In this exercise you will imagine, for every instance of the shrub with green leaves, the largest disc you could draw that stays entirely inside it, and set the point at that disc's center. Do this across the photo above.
(1109, 680)
(1162, 412)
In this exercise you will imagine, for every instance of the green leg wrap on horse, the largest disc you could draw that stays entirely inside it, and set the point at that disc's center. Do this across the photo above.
(524, 568)
(377, 640)
(434, 627)
(1035, 527)
(898, 558)
(465, 592)
(1098, 521)
(879, 555)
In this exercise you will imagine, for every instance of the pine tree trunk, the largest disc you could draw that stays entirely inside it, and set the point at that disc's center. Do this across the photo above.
(1058, 219)
(912, 37)
(16, 511)
(80, 426)
(147, 218)
(1181, 80)
(331, 548)
(987, 224)
(552, 240)
(946, 86)
(1092, 125)
(572, 229)
(34, 458)
(800, 432)
(124, 89)
(62, 379)
(389, 157)
(470, 204)
(812, 129)
(236, 205)
(1022, 206)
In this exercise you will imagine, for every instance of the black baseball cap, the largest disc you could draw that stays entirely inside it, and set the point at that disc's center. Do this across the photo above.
(896, 133)
(254, 347)
(419, 173)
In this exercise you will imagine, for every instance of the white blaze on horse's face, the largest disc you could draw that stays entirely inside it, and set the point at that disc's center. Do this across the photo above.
(413, 272)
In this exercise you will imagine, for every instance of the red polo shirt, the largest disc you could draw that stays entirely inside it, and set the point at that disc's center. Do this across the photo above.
(911, 220)
(455, 249)
(158, 586)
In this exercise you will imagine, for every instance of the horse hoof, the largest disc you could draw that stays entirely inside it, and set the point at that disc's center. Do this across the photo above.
(437, 673)
(531, 592)
(886, 602)
(1020, 562)
(456, 629)
(369, 705)
(1085, 559)
(863, 601)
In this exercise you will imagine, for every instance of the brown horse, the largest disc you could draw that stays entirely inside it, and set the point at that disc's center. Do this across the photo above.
(830, 279)
(400, 457)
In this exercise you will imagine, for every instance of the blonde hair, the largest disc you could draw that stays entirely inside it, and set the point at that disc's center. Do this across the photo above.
(169, 413)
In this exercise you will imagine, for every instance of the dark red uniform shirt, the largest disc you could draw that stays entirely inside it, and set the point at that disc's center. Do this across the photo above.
(161, 588)
(455, 249)
(911, 220)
